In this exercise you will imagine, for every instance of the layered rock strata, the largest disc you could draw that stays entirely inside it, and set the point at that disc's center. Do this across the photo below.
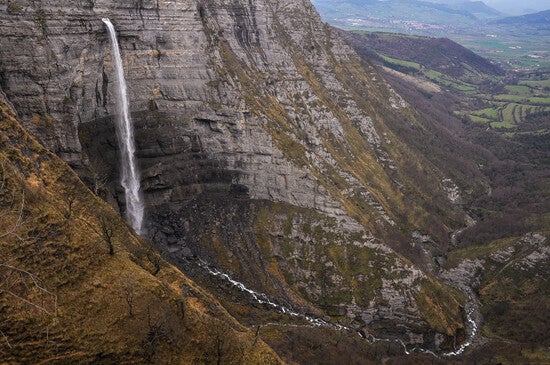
(240, 105)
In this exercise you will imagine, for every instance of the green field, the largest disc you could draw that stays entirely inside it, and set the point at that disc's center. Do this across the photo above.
(518, 89)
(397, 64)
(438, 77)
(506, 106)
(505, 115)
(536, 84)
(527, 96)
(522, 99)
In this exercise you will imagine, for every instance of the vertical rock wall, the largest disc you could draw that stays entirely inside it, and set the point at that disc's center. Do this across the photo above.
(236, 102)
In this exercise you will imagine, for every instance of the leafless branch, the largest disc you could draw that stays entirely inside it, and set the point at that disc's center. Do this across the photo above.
(12, 231)
(105, 231)
(6, 287)
(6, 339)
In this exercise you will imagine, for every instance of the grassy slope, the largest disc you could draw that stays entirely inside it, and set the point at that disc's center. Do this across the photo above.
(65, 298)
(515, 294)
(439, 54)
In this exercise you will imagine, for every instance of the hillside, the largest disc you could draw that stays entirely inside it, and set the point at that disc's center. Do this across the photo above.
(540, 19)
(77, 286)
(439, 54)
(268, 152)
(478, 8)
(505, 254)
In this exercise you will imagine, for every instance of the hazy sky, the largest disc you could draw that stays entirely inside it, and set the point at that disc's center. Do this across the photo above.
(518, 6)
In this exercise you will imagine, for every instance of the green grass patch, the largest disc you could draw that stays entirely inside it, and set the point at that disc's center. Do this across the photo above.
(510, 97)
(518, 89)
(508, 116)
(537, 84)
(539, 100)
(491, 113)
(478, 119)
(401, 63)
(445, 80)
(506, 125)
(522, 99)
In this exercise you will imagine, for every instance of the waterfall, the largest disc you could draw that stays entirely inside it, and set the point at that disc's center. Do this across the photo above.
(129, 177)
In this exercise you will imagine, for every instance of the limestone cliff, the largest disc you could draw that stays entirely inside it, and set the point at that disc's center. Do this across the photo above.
(268, 148)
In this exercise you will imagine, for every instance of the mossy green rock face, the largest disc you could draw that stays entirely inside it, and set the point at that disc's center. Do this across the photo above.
(267, 148)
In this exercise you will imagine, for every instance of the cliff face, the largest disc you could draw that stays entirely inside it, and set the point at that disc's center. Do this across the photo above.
(262, 139)
(78, 286)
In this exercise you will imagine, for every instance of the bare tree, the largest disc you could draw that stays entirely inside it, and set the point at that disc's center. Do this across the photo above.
(15, 282)
(105, 230)
(157, 332)
(102, 172)
(128, 293)
(129, 297)
(107, 233)
(70, 200)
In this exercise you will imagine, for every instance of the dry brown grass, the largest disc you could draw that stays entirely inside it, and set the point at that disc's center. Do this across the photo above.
(70, 293)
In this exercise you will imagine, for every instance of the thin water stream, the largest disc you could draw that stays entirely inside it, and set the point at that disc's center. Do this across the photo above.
(471, 306)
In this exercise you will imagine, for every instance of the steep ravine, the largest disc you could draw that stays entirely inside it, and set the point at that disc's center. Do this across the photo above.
(472, 311)
(265, 148)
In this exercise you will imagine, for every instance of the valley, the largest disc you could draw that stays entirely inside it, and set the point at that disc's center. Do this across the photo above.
(307, 195)
(507, 112)
(520, 42)
(491, 96)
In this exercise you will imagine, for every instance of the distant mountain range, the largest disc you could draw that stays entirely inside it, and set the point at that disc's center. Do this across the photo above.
(477, 8)
(453, 13)
(514, 7)
(540, 19)
(416, 16)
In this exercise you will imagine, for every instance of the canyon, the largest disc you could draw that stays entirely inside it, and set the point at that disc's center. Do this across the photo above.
(275, 163)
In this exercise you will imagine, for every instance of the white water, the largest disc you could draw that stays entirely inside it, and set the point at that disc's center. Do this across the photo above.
(471, 307)
(317, 322)
(129, 177)
(263, 299)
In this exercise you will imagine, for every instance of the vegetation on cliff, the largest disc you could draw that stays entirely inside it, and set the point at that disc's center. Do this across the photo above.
(316, 201)
(77, 285)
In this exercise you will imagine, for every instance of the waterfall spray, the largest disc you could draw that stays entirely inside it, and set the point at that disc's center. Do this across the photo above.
(129, 177)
